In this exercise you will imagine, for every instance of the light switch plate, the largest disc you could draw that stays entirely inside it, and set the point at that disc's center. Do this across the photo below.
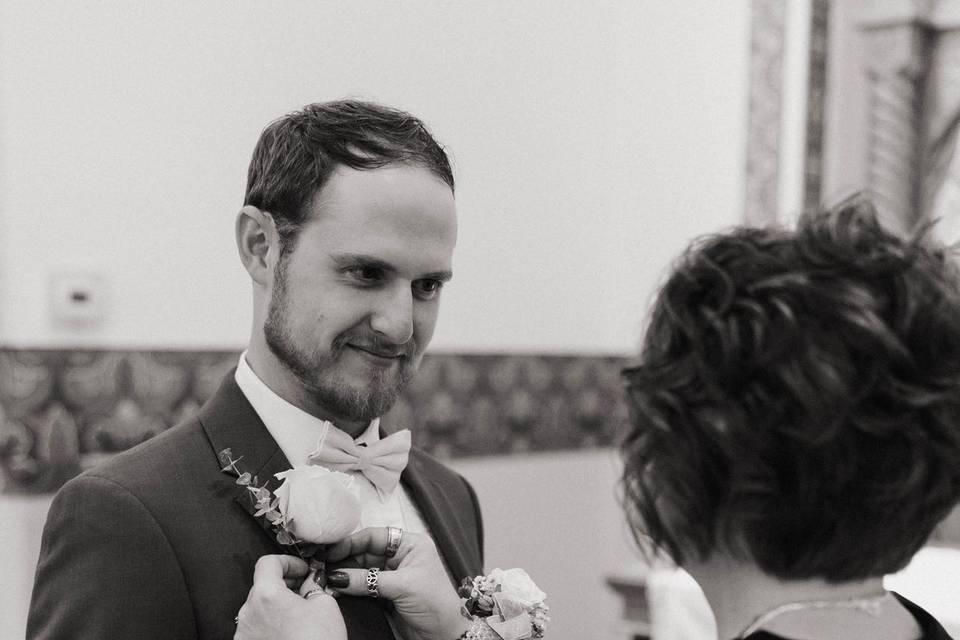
(78, 298)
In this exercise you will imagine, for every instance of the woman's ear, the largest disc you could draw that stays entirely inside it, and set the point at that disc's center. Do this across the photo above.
(258, 243)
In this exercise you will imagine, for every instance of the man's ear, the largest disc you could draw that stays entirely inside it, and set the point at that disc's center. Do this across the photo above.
(258, 243)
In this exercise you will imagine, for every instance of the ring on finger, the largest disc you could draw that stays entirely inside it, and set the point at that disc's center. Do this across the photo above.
(394, 536)
(313, 592)
(373, 582)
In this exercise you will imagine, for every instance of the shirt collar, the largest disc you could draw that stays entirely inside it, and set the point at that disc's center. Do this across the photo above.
(295, 430)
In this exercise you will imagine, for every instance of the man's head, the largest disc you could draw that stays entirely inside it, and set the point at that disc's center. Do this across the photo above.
(797, 403)
(296, 155)
(348, 232)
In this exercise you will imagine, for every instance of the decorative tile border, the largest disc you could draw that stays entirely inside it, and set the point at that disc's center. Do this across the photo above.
(63, 411)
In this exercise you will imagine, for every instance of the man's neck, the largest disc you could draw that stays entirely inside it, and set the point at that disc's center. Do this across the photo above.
(282, 382)
(739, 594)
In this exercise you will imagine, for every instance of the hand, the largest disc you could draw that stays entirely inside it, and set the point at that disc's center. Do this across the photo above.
(414, 580)
(274, 612)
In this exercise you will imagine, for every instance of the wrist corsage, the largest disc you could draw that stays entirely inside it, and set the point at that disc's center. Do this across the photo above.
(503, 605)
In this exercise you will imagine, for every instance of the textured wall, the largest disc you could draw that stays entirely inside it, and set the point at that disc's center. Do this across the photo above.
(62, 411)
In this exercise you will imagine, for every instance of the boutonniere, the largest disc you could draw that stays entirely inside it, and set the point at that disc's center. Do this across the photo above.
(312, 507)
(507, 604)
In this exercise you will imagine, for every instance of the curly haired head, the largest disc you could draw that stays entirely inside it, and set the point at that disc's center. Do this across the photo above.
(296, 155)
(797, 400)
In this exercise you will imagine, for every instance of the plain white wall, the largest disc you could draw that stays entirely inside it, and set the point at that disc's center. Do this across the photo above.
(558, 517)
(21, 522)
(591, 141)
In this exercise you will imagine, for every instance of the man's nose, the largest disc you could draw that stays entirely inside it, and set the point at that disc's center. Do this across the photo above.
(393, 319)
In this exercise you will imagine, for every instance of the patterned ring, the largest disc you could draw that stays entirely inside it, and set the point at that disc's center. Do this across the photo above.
(313, 592)
(373, 580)
(394, 536)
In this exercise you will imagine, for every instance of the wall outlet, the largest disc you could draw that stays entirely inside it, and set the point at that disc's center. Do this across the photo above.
(78, 298)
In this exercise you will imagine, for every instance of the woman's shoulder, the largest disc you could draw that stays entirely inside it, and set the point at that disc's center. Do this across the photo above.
(932, 630)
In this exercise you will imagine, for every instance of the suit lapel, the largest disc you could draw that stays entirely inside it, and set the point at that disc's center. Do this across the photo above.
(230, 422)
(436, 508)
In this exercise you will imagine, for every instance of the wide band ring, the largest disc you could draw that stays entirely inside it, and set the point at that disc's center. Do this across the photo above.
(373, 582)
(394, 536)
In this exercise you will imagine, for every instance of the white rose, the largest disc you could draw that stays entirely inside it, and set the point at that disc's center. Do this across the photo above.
(317, 504)
(516, 583)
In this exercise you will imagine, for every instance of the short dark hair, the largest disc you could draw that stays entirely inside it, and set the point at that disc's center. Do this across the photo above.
(797, 399)
(296, 154)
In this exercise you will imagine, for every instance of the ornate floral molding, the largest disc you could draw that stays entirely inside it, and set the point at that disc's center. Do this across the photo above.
(765, 120)
(898, 55)
(816, 103)
(63, 411)
(767, 36)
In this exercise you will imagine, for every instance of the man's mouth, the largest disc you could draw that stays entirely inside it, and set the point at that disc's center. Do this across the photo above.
(387, 354)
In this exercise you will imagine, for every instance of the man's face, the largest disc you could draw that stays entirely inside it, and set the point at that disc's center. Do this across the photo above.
(355, 302)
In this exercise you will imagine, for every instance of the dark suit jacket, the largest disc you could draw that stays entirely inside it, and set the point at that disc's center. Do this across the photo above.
(160, 543)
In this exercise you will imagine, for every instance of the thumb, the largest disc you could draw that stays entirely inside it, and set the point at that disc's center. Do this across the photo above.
(274, 568)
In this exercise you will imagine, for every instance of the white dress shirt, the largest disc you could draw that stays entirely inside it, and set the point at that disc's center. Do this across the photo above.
(296, 431)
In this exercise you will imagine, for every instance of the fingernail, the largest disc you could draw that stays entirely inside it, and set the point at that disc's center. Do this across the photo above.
(338, 579)
(320, 579)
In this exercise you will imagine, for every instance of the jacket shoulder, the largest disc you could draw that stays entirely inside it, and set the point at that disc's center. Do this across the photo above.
(157, 459)
(101, 537)
(437, 469)
(462, 501)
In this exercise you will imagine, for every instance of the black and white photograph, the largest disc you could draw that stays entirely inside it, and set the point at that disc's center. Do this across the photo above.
(489, 320)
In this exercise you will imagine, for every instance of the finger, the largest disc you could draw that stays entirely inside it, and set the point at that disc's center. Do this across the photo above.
(369, 546)
(242, 614)
(389, 583)
(275, 568)
(314, 579)
(372, 540)
(317, 594)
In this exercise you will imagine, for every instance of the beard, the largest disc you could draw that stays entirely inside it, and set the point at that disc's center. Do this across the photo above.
(318, 371)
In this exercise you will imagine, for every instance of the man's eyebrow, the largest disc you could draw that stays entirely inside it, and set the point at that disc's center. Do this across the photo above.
(361, 260)
(344, 260)
(442, 276)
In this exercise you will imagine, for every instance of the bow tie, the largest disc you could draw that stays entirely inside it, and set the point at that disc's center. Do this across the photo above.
(381, 462)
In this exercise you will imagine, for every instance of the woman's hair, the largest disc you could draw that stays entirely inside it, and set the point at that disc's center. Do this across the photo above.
(797, 400)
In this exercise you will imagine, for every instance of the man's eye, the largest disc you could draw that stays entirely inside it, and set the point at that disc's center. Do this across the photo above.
(427, 289)
(366, 274)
